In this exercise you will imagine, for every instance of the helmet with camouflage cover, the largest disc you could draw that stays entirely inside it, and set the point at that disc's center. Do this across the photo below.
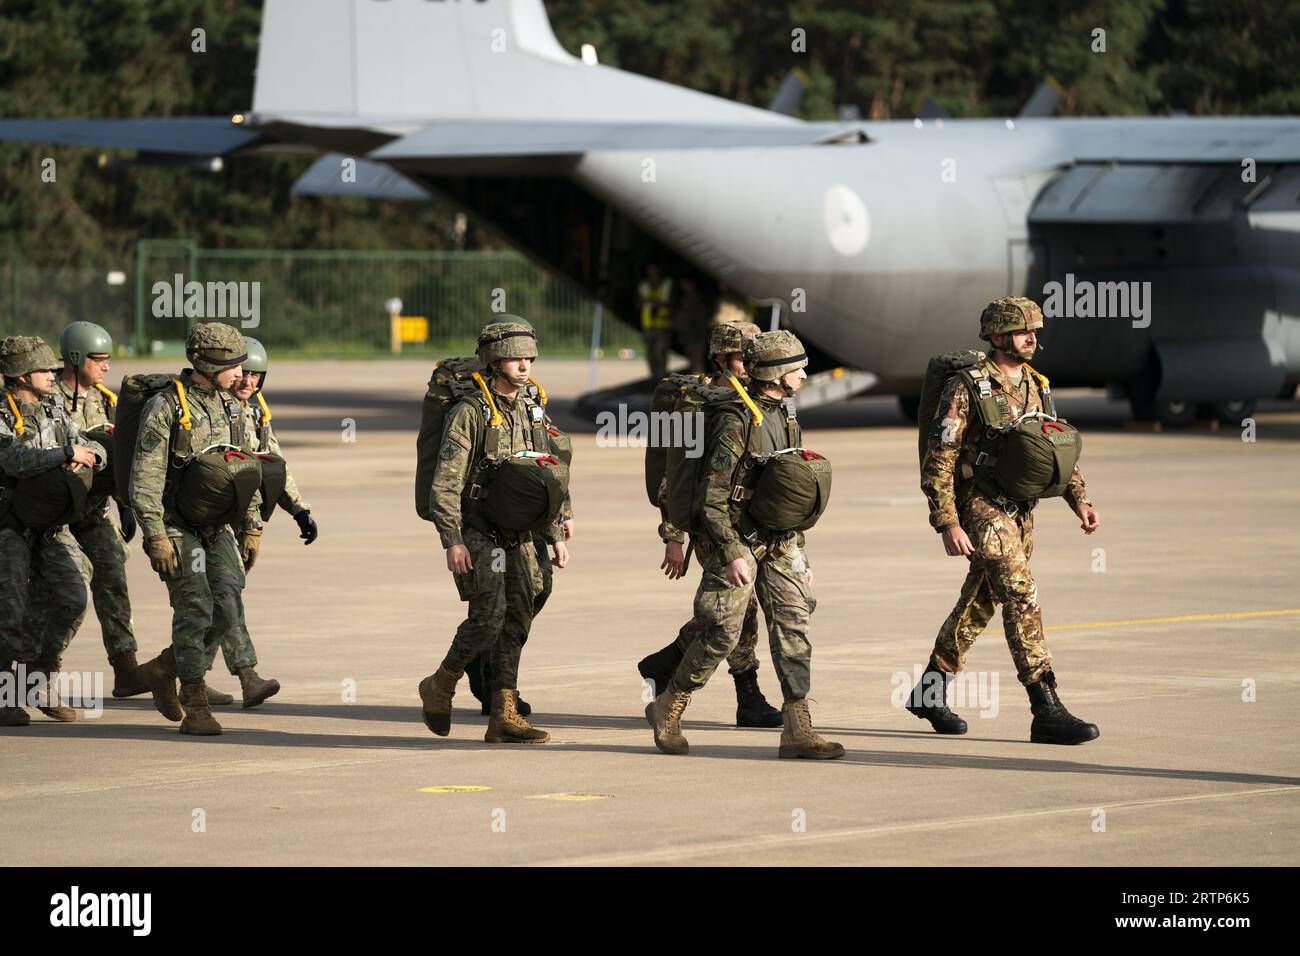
(80, 340)
(730, 337)
(21, 354)
(509, 338)
(214, 347)
(771, 355)
(1011, 313)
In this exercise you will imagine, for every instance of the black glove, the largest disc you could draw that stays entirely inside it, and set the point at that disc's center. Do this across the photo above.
(126, 517)
(307, 526)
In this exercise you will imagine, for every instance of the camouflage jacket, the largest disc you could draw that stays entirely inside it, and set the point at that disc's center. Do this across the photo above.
(953, 436)
(257, 423)
(215, 419)
(36, 444)
(95, 407)
(727, 436)
(461, 455)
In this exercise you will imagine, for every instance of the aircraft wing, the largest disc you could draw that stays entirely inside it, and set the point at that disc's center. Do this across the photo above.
(179, 135)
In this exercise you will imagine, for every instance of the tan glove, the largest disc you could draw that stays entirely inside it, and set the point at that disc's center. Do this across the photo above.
(250, 539)
(162, 555)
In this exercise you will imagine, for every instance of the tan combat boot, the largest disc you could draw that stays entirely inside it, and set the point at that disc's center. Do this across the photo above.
(664, 714)
(49, 688)
(218, 697)
(506, 726)
(798, 739)
(160, 676)
(198, 721)
(126, 676)
(256, 689)
(436, 692)
(14, 717)
(11, 715)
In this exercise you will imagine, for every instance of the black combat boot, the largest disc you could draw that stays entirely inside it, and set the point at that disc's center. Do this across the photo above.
(1053, 724)
(752, 708)
(929, 701)
(660, 666)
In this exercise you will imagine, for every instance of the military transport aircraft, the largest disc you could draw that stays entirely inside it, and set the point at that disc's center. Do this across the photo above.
(1164, 250)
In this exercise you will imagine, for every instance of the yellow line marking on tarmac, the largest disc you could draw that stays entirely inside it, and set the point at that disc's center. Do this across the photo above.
(571, 797)
(1229, 616)
(677, 854)
(456, 788)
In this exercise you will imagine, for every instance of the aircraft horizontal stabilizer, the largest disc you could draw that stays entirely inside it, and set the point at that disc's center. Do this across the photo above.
(329, 176)
(183, 135)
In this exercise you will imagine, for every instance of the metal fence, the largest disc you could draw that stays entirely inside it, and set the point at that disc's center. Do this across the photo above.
(307, 302)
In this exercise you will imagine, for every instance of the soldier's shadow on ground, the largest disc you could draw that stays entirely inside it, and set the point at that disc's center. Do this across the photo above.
(1050, 762)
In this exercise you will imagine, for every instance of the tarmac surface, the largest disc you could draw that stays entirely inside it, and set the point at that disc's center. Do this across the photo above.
(1178, 638)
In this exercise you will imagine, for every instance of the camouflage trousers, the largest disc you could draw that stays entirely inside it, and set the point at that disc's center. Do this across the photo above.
(104, 548)
(48, 575)
(999, 574)
(744, 656)
(547, 577)
(780, 584)
(502, 590)
(206, 597)
(236, 647)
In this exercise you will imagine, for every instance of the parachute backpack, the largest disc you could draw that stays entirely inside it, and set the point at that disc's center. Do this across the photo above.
(52, 498)
(681, 475)
(217, 486)
(134, 394)
(452, 380)
(525, 492)
(668, 394)
(792, 491)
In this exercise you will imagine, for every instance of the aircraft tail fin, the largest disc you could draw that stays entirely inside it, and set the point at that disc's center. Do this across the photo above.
(412, 60)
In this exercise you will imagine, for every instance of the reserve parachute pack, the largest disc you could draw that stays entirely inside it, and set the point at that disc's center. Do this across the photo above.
(792, 491)
(521, 493)
(49, 499)
(1015, 459)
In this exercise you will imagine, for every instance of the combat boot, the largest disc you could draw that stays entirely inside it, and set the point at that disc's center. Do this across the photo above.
(798, 739)
(507, 726)
(54, 708)
(159, 675)
(660, 666)
(1053, 724)
(664, 715)
(218, 697)
(929, 701)
(198, 721)
(256, 689)
(752, 708)
(126, 676)
(14, 717)
(436, 692)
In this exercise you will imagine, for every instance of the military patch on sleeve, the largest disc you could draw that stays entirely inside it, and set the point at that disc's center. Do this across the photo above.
(448, 452)
(720, 459)
(149, 441)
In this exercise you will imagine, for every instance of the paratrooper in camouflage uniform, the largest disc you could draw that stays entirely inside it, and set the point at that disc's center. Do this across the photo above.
(498, 573)
(36, 435)
(203, 567)
(995, 535)
(726, 342)
(740, 561)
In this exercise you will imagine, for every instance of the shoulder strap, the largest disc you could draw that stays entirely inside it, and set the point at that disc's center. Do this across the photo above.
(981, 391)
(181, 438)
(18, 424)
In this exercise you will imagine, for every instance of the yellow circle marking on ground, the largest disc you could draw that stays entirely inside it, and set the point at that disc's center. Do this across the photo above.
(456, 788)
(571, 797)
(1229, 616)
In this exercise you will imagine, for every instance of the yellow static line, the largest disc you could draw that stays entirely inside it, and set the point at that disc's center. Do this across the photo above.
(1229, 616)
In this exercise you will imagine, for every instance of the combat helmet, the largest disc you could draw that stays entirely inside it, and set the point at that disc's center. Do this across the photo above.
(1011, 313)
(80, 340)
(771, 355)
(22, 354)
(509, 338)
(256, 360)
(730, 337)
(214, 347)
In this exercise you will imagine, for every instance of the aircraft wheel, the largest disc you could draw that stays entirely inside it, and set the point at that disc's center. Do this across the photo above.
(910, 406)
(1175, 413)
(1233, 411)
